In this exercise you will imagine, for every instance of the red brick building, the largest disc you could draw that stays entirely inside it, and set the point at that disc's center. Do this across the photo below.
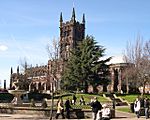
(48, 77)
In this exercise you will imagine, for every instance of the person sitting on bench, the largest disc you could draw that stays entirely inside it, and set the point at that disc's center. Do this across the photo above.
(105, 112)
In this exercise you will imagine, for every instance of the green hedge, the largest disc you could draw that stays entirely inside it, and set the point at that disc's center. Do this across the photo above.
(6, 97)
(38, 96)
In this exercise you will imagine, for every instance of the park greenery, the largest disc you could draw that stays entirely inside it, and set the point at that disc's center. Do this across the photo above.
(132, 97)
(85, 67)
(87, 98)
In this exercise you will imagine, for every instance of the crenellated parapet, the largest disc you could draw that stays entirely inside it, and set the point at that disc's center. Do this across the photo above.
(36, 71)
(71, 32)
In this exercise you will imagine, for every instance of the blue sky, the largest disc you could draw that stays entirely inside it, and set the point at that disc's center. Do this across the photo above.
(27, 26)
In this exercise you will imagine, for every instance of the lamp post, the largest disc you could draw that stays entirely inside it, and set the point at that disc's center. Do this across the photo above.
(52, 103)
(4, 84)
(0, 84)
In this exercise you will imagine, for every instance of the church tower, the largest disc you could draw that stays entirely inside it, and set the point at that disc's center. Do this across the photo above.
(71, 32)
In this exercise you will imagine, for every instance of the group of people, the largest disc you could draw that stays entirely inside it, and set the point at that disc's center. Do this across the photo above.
(139, 103)
(60, 108)
(74, 100)
(100, 112)
(67, 106)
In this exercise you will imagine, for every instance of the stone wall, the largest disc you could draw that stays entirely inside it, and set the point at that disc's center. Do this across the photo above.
(76, 113)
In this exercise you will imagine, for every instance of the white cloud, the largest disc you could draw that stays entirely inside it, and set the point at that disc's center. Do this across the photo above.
(3, 48)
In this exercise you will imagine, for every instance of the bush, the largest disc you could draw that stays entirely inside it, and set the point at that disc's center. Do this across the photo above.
(62, 95)
(134, 90)
(6, 97)
(38, 96)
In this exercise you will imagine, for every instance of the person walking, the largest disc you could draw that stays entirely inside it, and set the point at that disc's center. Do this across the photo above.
(60, 109)
(96, 106)
(82, 102)
(137, 106)
(146, 107)
(74, 100)
(67, 108)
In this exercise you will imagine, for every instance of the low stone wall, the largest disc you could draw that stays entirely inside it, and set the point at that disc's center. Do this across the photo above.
(76, 113)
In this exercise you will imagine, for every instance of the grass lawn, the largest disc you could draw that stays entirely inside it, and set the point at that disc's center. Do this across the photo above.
(87, 98)
(131, 97)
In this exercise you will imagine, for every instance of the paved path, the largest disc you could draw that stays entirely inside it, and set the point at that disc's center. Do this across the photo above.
(119, 116)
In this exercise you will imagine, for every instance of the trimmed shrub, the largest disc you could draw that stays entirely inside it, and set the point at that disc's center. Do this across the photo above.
(6, 97)
(38, 96)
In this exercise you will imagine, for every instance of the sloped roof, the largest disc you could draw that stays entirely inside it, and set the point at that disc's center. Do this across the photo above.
(116, 59)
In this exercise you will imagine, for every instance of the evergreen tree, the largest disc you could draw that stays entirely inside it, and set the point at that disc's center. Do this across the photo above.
(84, 66)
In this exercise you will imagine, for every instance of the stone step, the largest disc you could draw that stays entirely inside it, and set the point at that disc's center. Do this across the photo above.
(117, 100)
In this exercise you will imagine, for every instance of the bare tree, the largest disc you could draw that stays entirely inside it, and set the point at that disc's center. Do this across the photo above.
(53, 49)
(53, 69)
(145, 65)
(147, 49)
(23, 75)
(54, 63)
(138, 55)
(128, 75)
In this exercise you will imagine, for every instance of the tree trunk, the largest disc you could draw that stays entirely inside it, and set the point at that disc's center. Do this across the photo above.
(127, 86)
(52, 105)
(104, 88)
(143, 92)
(86, 87)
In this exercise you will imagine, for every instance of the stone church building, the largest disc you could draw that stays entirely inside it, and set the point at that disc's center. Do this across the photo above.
(41, 78)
